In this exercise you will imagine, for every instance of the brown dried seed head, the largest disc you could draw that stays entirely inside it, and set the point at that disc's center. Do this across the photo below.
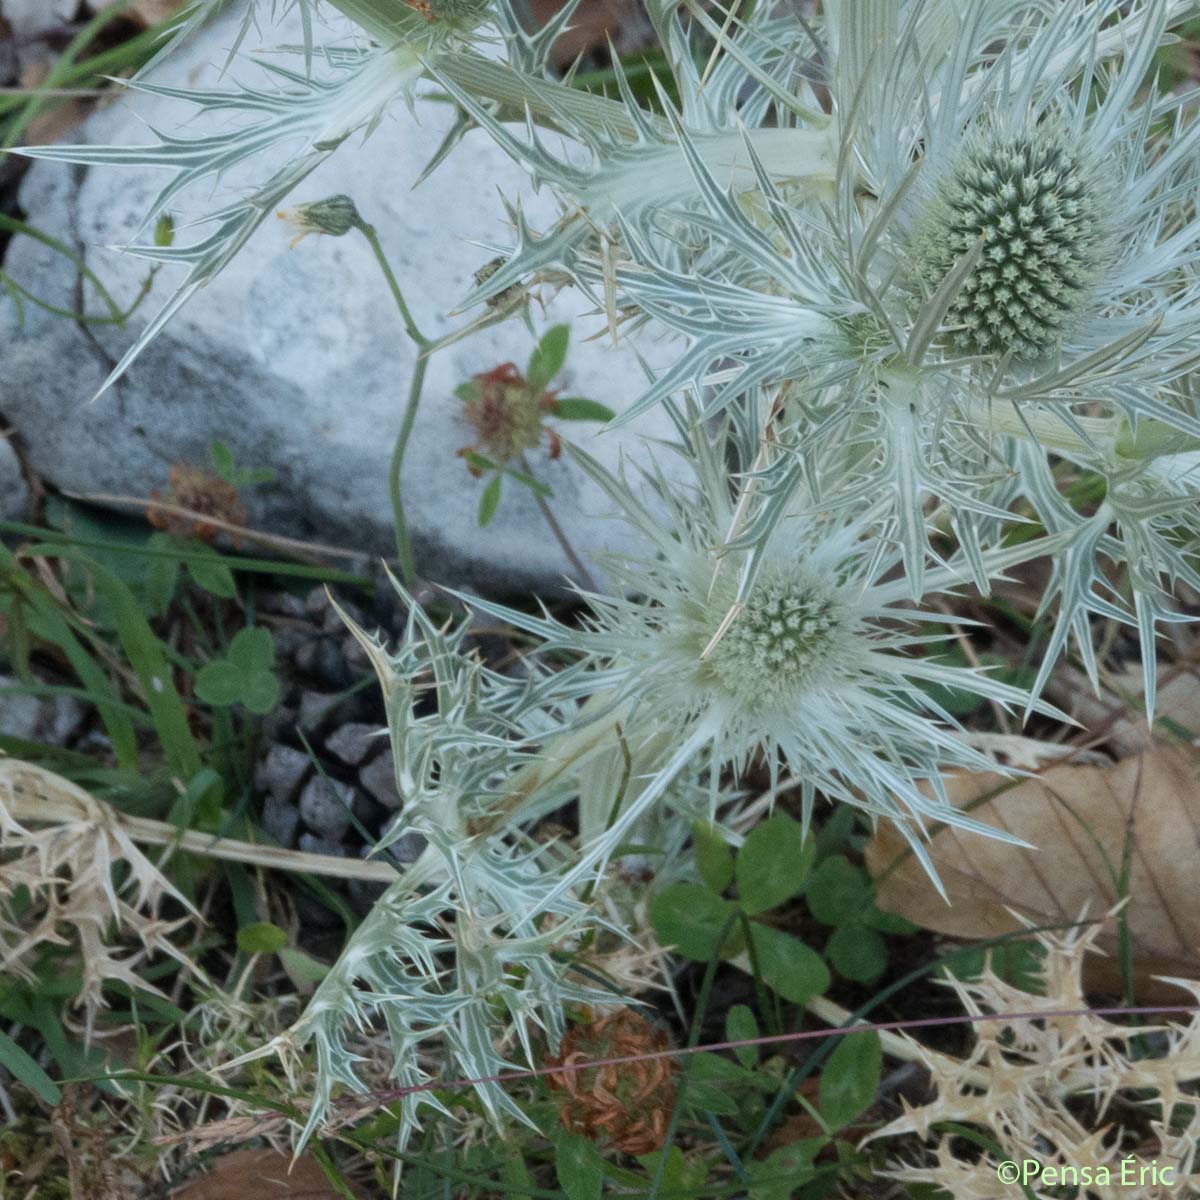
(626, 1105)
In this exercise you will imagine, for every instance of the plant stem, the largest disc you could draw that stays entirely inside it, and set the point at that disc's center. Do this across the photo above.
(404, 552)
(585, 576)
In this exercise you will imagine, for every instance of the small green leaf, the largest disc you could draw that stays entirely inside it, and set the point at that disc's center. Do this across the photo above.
(857, 953)
(469, 392)
(489, 501)
(850, 1078)
(711, 1098)
(514, 1174)
(164, 231)
(219, 683)
(690, 918)
(478, 462)
(680, 1177)
(714, 859)
(773, 863)
(21, 1066)
(302, 968)
(740, 1026)
(787, 965)
(252, 649)
(577, 408)
(579, 1167)
(714, 1068)
(838, 891)
(887, 922)
(548, 358)
(222, 460)
(260, 693)
(261, 938)
(779, 1176)
(210, 572)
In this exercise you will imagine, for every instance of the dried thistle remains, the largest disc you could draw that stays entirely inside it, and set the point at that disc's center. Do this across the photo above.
(626, 1105)
(1074, 1101)
(78, 881)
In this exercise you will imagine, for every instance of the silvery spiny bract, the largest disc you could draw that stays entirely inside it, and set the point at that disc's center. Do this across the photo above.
(924, 263)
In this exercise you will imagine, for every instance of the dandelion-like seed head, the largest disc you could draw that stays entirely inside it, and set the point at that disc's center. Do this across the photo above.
(780, 643)
(1036, 203)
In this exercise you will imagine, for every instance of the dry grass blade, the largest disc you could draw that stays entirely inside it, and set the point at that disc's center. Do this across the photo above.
(37, 796)
(1090, 826)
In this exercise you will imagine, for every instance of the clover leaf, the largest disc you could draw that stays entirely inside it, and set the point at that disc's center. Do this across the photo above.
(244, 676)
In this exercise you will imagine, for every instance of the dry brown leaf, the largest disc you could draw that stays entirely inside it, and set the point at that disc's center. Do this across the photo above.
(262, 1174)
(1081, 819)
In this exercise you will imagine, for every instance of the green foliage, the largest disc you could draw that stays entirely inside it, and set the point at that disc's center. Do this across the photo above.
(699, 924)
(741, 1025)
(773, 864)
(23, 1068)
(548, 358)
(850, 1079)
(244, 676)
(579, 1167)
(714, 858)
(261, 938)
(841, 894)
(237, 477)
(770, 868)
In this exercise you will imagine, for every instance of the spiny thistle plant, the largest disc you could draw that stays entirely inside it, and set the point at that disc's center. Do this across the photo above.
(924, 262)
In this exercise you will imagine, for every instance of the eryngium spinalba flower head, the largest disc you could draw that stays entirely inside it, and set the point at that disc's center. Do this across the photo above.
(1035, 206)
(808, 665)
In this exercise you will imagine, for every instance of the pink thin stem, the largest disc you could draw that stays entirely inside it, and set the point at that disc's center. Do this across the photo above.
(801, 1036)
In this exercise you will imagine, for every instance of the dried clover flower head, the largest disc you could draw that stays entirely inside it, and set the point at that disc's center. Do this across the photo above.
(506, 414)
(203, 495)
(1035, 203)
(628, 1105)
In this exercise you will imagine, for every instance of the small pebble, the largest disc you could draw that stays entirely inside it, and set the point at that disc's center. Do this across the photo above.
(281, 820)
(14, 491)
(353, 742)
(320, 709)
(281, 771)
(325, 807)
(379, 778)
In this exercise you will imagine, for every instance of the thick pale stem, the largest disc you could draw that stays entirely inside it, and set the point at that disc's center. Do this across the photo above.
(1083, 436)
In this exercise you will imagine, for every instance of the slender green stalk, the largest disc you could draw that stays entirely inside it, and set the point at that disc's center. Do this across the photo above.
(404, 552)
(585, 576)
